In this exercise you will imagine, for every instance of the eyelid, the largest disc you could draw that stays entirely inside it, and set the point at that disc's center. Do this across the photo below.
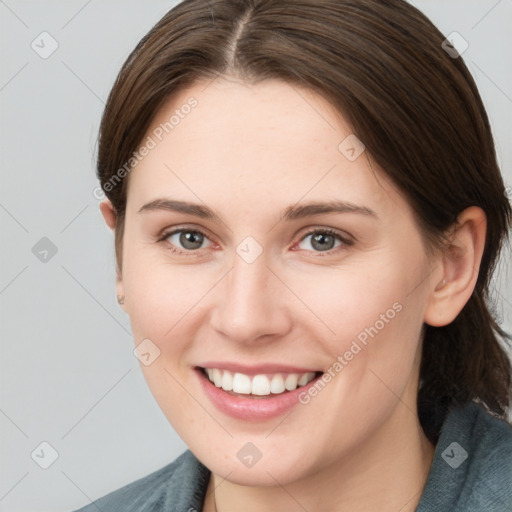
(332, 231)
(166, 232)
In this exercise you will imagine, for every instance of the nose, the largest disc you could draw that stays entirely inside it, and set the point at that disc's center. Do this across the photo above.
(251, 304)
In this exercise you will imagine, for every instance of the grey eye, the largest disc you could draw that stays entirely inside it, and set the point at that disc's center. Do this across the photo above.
(322, 241)
(187, 239)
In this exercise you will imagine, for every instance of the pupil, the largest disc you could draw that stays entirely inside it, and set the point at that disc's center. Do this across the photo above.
(321, 237)
(191, 239)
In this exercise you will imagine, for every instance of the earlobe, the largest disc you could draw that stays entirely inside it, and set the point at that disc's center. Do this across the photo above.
(108, 212)
(459, 264)
(120, 291)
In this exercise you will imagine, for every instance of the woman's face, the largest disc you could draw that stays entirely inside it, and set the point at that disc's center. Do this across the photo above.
(252, 279)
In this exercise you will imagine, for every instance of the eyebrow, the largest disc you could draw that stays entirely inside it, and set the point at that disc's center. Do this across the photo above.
(182, 207)
(291, 213)
(317, 208)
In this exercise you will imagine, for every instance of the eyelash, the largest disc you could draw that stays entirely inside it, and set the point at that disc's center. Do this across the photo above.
(345, 242)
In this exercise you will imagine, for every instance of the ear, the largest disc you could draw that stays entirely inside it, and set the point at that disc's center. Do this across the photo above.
(458, 268)
(109, 214)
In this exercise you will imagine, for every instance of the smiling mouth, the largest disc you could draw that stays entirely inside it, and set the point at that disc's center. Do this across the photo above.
(257, 386)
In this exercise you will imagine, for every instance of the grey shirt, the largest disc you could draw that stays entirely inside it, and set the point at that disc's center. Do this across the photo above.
(471, 472)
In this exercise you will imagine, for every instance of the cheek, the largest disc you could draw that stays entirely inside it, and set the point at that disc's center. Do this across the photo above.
(161, 295)
(369, 323)
(351, 300)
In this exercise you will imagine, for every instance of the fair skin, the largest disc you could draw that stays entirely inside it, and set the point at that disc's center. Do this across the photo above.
(247, 152)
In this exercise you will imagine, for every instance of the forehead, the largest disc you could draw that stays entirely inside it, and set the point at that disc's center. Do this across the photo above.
(236, 119)
(252, 141)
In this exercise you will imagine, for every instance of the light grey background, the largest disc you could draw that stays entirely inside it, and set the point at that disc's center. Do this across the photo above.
(68, 374)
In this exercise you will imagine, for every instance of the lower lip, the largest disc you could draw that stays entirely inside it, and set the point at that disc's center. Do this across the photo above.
(251, 409)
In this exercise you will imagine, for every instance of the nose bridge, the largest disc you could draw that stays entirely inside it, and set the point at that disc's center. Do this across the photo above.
(249, 305)
(249, 281)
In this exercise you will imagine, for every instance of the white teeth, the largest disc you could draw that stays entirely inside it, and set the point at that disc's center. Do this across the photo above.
(217, 377)
(291, 381)
(304, 379)
(260, 385)
(277, 384)
(241, 384)
(227, 381)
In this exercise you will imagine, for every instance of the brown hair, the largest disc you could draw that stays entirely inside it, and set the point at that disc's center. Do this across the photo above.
(416, 108)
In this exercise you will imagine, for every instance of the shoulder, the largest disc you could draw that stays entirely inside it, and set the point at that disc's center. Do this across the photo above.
(489, 472)
(472, 466)
(180, 486)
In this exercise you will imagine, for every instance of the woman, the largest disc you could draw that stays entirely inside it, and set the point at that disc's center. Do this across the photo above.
(307, 212)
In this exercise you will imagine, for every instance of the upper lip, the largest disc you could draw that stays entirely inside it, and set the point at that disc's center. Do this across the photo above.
(254, 369)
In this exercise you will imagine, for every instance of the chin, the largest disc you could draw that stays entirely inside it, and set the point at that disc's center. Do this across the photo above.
(242, 463)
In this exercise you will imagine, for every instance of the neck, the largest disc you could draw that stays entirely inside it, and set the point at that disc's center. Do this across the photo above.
(387, 473)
